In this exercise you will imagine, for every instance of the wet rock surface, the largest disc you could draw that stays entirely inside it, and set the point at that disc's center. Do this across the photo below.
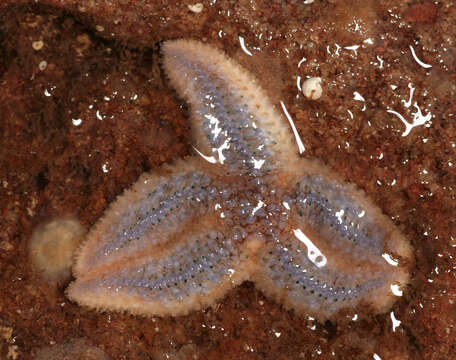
(85, 109)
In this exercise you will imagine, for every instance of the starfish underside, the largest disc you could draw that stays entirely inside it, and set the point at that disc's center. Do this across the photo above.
(248, 208)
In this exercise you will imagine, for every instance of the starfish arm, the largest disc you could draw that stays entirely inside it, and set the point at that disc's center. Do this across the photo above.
(332, 255)
(161, 248)
(233, 121)
(192, 271)
(156, 206)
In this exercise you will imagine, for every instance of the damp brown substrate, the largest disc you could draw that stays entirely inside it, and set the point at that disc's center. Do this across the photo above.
(84, 109)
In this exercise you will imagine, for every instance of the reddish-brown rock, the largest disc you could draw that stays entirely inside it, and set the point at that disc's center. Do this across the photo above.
(65, 149)
(421, 13)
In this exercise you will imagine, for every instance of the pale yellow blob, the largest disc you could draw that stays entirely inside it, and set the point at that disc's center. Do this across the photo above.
(52, 247)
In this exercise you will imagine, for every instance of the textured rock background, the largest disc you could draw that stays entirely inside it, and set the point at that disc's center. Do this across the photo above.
(85, 109)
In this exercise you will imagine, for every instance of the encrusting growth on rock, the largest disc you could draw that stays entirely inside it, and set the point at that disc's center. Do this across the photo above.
(52, 247)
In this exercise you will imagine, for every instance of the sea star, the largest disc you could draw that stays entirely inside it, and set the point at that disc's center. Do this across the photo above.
(247, 208)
